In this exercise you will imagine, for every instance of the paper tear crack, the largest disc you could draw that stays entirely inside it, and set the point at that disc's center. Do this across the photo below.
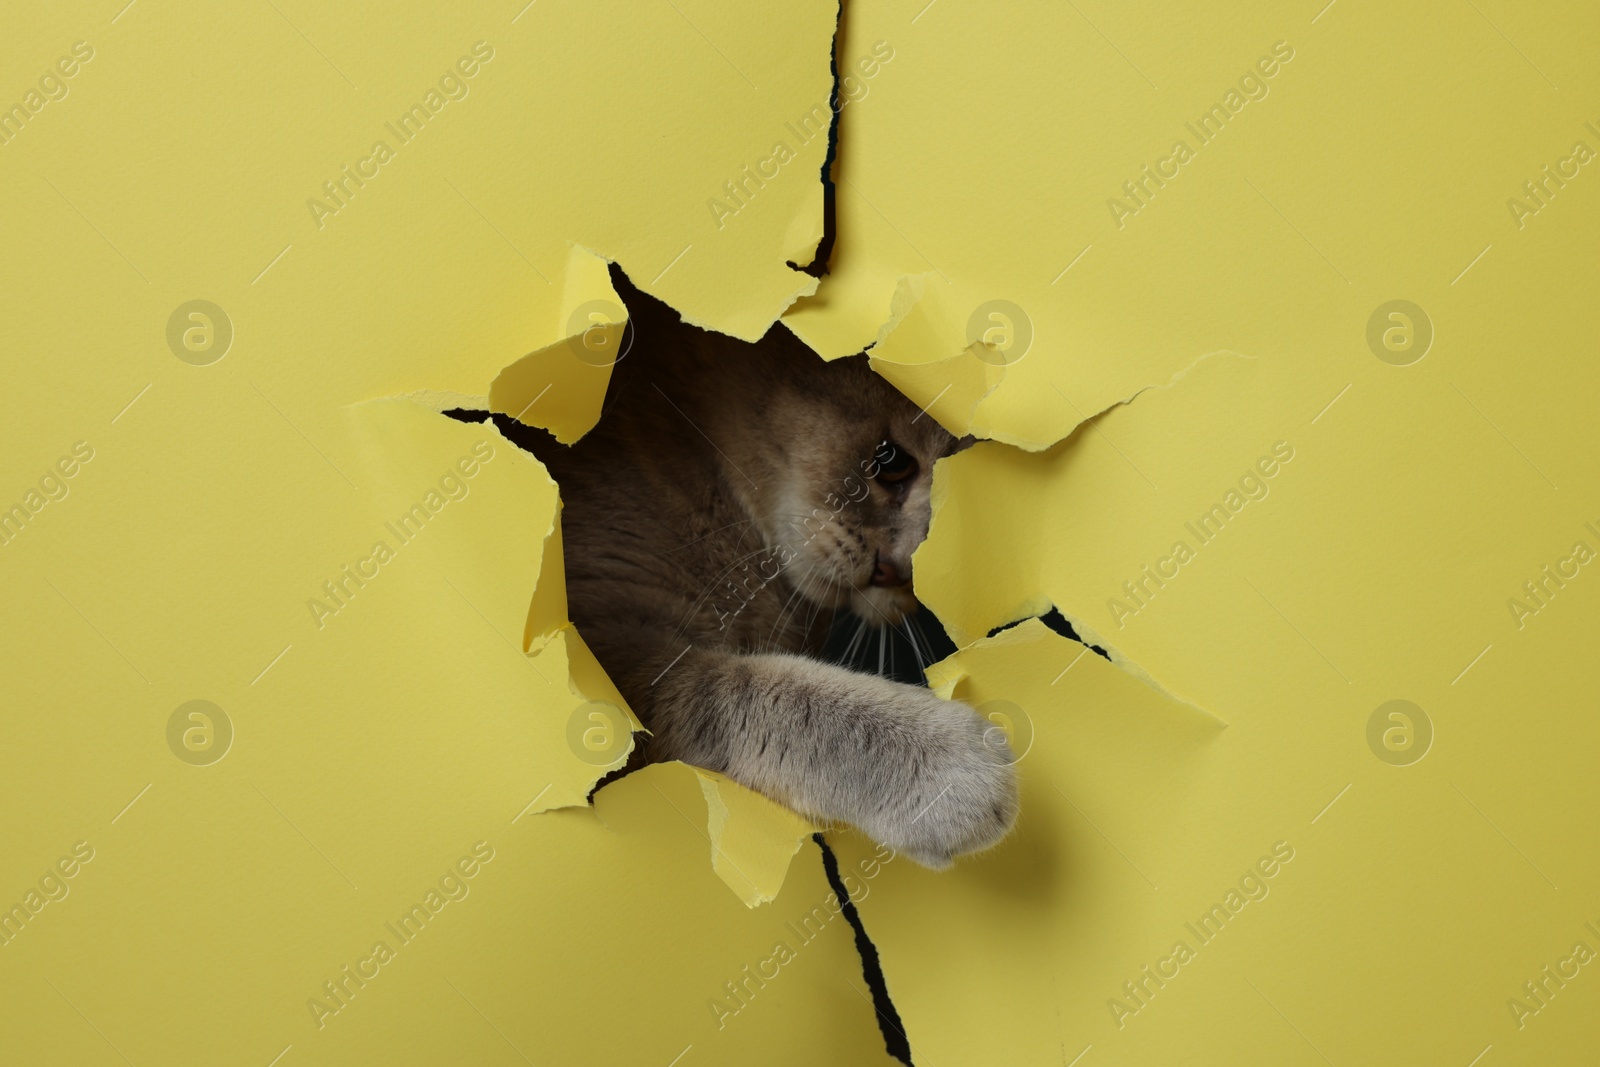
(822, 251)
(1003, 435)
(950, 387)
(443, 400)
(1091, 636)
(590, 336)
(1177, 376)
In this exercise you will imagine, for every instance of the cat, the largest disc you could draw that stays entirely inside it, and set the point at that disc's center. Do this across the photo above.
(731, 499)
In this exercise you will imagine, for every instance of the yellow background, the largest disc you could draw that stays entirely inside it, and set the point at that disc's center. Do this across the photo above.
(1229, 313)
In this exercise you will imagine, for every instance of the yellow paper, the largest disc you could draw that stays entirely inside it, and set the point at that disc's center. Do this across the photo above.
(1359, 312)
(253, 775)
(1338, 347)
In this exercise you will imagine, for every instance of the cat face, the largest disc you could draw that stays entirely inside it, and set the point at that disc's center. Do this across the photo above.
(856, 502)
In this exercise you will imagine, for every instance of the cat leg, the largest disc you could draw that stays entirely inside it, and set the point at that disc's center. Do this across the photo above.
(928, 777)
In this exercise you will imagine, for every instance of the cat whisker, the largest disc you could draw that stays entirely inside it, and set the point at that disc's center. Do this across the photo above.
(863, 648)
(711, 588)
(847, 657)
(916, 649)
(849, 646)
(923, 643)
(811, 618)
(780, 626)
(719, 529)
(817, 604)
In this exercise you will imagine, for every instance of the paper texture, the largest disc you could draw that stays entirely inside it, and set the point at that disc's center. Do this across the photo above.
(1275, 326)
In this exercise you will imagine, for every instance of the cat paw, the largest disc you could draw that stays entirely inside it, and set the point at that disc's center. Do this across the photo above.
(955, 793)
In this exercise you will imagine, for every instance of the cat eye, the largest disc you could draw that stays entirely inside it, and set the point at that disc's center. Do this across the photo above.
(895, 464)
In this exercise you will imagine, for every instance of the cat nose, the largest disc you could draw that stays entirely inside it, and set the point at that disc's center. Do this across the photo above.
(887, 574)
